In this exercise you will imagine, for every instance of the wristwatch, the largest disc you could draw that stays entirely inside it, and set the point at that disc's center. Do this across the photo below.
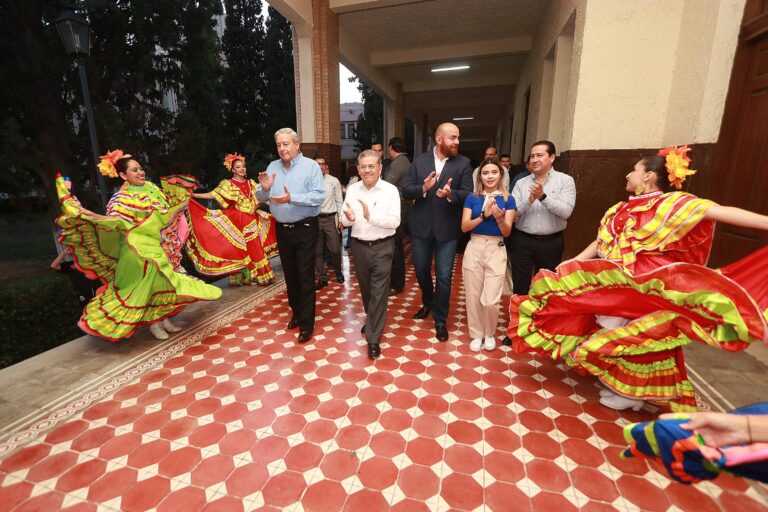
(543, 197)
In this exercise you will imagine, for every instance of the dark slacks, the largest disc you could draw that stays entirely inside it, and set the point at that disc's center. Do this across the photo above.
(328, 236)
(531, 254)
(397, 281)
(438, 294)
(373, 265)
(508, 246)
(297, 243)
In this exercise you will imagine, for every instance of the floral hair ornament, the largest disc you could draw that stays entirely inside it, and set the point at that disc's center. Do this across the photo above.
(230, 159)
(108, 161)
(677, 164)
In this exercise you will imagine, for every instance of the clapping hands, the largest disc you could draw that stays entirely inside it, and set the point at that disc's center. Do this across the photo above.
(281, 199)
(445, 192)
(429, 181)
(266, 180)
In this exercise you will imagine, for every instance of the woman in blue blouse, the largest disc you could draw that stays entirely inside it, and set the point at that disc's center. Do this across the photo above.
(488, 214)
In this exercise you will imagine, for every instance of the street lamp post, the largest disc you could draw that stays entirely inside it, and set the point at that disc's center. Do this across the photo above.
(75, 32)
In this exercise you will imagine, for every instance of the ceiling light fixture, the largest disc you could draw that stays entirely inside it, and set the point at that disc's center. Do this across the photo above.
(463, 118)
(452, 68)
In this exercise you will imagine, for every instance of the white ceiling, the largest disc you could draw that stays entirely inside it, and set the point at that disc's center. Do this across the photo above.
(403, 40)
(406, 24)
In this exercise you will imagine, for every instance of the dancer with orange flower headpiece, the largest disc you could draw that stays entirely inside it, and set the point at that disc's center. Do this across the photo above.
(625, 316)
(135, 250)
(237, 240)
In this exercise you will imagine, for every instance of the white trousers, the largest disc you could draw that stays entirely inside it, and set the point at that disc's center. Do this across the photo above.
(483, 269)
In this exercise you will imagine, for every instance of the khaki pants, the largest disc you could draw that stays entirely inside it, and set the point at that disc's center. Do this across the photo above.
(483, 269)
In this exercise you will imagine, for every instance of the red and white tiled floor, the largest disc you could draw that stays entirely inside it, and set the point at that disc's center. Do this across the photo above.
(246, 419)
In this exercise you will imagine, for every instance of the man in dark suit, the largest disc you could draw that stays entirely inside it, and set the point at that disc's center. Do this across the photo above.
(438, 182)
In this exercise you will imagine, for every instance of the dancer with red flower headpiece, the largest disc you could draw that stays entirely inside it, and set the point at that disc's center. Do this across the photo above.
(625, 316)
(237, 240)
(135, 250)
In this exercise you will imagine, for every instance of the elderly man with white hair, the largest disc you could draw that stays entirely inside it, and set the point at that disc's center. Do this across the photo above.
(293, 185)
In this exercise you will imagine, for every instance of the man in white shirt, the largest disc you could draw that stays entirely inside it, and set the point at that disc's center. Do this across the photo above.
(545, 199)
(330, 227)
(372, 208)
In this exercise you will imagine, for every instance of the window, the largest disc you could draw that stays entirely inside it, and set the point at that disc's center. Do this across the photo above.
(343, 130)
(351, 130)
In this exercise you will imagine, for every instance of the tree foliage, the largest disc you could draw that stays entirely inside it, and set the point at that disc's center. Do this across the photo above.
(279, 89)
(200, 124)
(164, 87)
(243, 47)
(370, 123)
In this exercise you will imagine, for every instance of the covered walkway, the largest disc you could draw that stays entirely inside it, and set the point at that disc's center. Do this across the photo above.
(233, 415)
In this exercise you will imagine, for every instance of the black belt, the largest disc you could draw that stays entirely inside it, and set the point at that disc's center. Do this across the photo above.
(327, 214)
(305, 223)
(371, 243)
(540, 237)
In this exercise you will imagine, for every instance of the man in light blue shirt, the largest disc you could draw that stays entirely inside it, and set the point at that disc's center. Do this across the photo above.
(294, 188)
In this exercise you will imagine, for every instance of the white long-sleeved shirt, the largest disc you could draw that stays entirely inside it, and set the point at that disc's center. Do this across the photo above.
(548, 216)
(383, 200)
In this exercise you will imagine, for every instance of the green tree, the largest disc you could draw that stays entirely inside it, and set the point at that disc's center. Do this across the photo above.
(279, 98)
(33, 112)
(370, 124)
(243, 47)
(135, 64)
(200, 121)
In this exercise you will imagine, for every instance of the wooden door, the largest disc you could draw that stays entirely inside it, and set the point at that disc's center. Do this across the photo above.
(741, 163)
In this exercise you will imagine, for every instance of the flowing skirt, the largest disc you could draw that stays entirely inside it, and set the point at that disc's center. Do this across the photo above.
(140, 284)
(231, 242)
(641, 357)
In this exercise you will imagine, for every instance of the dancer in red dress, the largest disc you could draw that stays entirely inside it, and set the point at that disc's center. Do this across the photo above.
(625, 316)
(237, 240)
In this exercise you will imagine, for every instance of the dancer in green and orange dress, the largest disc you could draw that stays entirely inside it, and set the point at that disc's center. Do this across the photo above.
(625, 316)
(135, 250)
(237, 240)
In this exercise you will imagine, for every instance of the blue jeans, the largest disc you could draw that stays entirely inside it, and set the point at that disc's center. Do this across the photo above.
(437, 295)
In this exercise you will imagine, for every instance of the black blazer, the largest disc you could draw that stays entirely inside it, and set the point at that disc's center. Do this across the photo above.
(431, 216)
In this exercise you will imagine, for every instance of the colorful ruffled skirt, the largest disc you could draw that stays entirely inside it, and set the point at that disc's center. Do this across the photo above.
(231, 242)
(662, 310)
(140, 284)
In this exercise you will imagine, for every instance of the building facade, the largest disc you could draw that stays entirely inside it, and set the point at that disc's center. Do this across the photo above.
(608, 81)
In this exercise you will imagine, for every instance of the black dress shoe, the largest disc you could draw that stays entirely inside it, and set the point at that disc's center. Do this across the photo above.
(304, 336)
(422, 313)
(321, 284)
(506, 341)
(441, 333)
(395, 291)
(293, 323)
(340, 278)
(374, 351)
(362, 329)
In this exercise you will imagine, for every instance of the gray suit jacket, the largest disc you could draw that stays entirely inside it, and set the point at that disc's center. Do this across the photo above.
(397, 171)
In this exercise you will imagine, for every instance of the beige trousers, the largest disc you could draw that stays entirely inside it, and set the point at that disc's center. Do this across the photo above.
(483, 269)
